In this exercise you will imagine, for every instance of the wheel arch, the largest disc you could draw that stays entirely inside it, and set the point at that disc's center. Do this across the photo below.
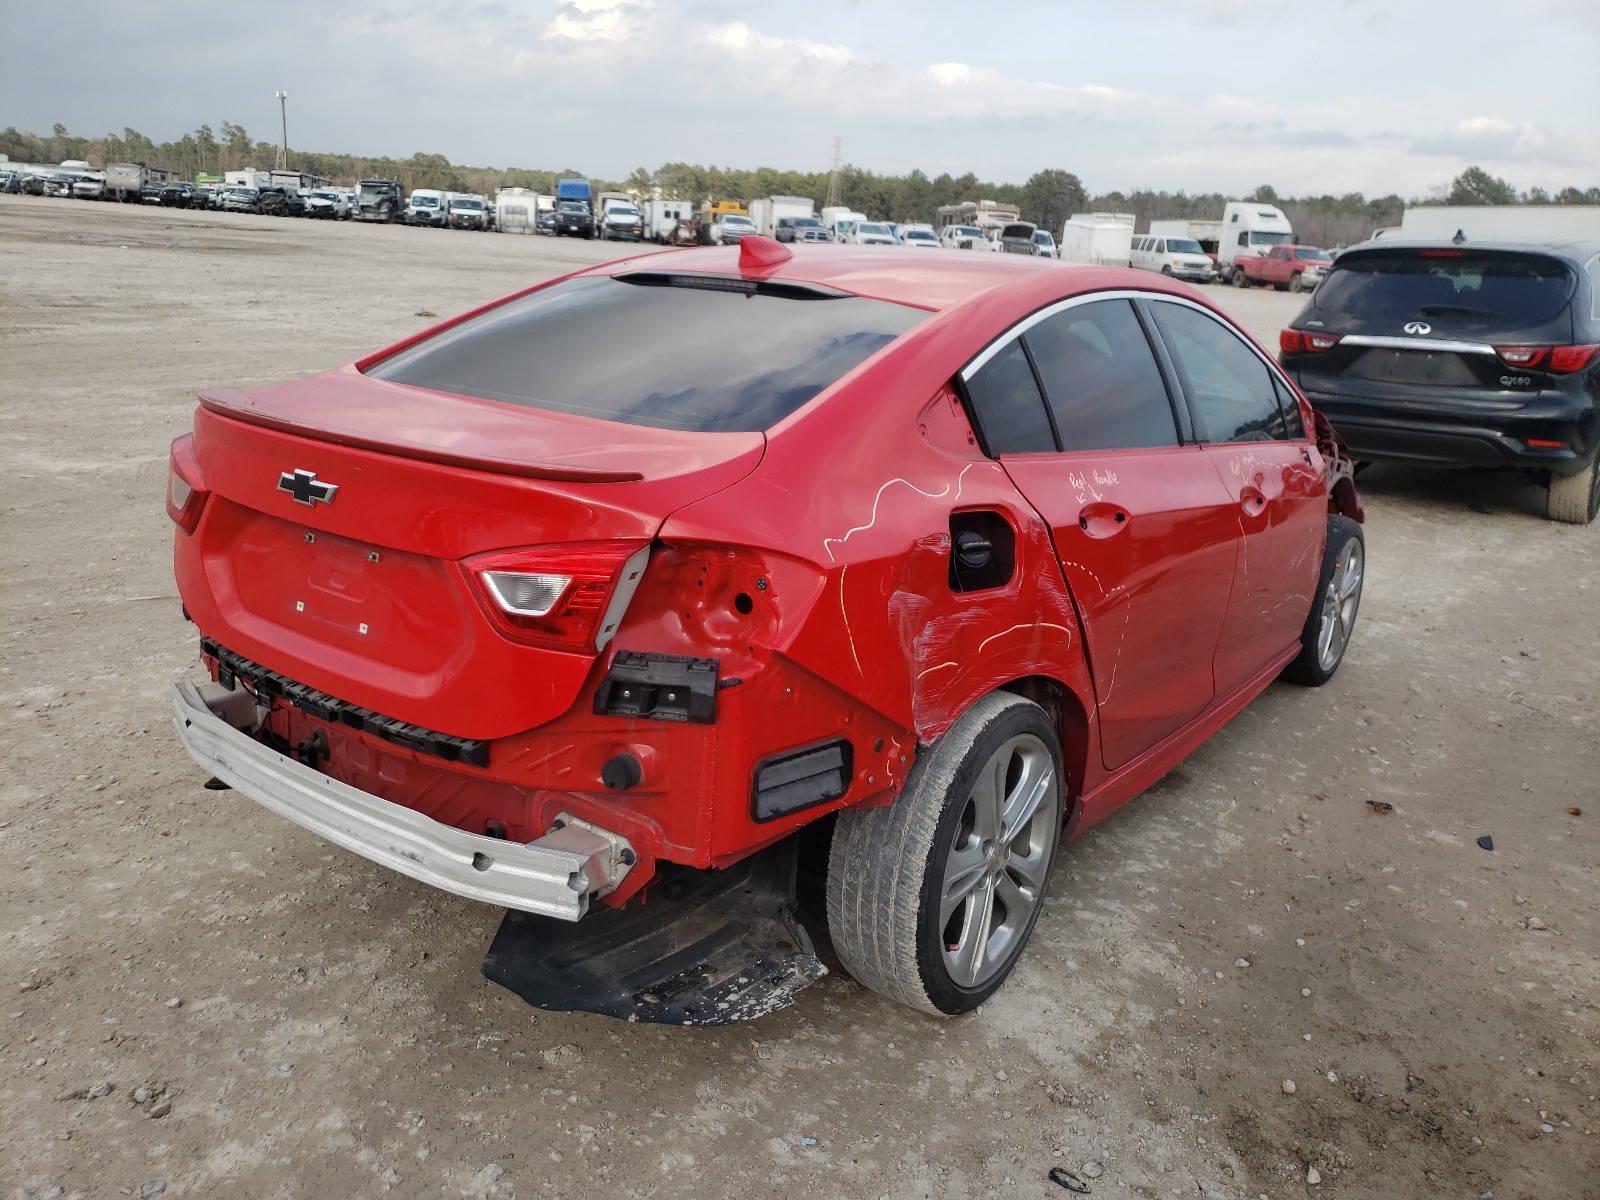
(1070, 717)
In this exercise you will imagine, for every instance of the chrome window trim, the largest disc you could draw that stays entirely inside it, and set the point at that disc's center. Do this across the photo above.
(1028, 322)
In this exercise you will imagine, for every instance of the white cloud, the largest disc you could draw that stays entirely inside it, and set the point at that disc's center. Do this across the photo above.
(950, 74)
(597, 20)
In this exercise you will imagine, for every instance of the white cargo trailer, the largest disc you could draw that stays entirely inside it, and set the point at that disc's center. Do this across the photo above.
(768, 211)
(1501, 222)
(1101, 239)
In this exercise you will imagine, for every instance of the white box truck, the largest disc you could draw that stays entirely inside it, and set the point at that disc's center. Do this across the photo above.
(769, 210)
(664, 220)
(1249, 230)
(617, 218)
(1486, 223)
(1100, 239)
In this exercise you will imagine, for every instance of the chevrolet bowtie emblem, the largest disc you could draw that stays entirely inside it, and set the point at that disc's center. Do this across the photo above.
(306, 488)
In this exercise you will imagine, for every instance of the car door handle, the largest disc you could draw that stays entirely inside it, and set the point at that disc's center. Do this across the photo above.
(1252, 501)
(1103, 520)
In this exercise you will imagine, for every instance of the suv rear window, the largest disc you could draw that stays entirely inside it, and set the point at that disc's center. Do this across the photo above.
(704, 354)
(1527, 289)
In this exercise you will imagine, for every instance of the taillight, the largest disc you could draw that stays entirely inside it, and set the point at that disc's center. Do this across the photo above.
(1559, 360)
(566, 597)
(1566, 359)
(186, 491)
(1295, 341)
(1521, 356)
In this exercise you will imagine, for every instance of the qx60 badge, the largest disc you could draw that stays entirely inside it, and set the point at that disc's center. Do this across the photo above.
(306, 488)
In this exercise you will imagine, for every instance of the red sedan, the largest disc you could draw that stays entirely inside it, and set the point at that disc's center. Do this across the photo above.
(588, 602)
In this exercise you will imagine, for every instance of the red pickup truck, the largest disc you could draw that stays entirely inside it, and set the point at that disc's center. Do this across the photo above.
(1297, 268)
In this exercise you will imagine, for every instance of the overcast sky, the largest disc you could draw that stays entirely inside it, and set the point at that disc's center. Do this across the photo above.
(1374, 96)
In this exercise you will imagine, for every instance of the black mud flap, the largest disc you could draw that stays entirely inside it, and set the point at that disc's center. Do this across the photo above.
(706, 948)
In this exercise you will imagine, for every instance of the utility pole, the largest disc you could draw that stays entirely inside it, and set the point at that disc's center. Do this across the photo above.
(283, 147)
(833, 177)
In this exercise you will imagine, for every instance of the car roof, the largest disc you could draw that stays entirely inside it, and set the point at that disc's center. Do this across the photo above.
(945, 282)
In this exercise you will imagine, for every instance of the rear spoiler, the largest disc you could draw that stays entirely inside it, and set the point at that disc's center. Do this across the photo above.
(234, 404)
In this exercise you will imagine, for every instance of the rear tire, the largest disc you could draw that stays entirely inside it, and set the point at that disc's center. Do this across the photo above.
(1332, 619)
(1239, 280)
(1574, 499)
(932, 899)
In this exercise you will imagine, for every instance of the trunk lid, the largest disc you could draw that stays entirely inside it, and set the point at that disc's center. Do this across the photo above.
(361, 592)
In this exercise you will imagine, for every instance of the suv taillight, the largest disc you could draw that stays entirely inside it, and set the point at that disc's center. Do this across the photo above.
(566, 597)
(1564, 360)
(186, 490)
(1558, 360)
(1297, 341)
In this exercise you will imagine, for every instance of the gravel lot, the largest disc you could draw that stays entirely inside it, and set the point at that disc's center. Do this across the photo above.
(207, 1001)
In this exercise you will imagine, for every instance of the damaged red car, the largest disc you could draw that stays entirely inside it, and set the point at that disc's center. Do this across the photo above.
(587, 603)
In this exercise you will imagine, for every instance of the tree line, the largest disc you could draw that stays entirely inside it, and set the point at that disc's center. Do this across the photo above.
(1047, 198)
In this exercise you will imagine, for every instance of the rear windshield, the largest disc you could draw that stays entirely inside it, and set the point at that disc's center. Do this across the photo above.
(1526, 289)
(713, 356)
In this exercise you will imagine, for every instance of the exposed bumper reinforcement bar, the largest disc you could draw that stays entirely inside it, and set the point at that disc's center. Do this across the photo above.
(555, 876)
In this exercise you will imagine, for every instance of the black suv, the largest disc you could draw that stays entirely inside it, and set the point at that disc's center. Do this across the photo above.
(1462, 355)
(573, 219)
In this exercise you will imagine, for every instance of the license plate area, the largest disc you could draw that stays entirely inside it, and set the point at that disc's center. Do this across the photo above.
(1414, 366)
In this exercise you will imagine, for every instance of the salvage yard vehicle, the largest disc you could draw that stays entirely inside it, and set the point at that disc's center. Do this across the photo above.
(1287, 268)
(1014, 237)
(426, 207)
(280, 202)
(620, 219)
(178, 193)
(1471, 355)
(867, 233)
(378, 200)
(962, 237)
(801, 229)
(328, 204)
(1180, 257)
(466, 212)
(541, 609)
(241, 199)
(727, 229)
(573, 219)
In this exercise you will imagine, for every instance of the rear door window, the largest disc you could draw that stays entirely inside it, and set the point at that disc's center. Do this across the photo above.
(1523, 289)
(1007, 403)
(1231, 392)
(1101, 378)
(672, 352)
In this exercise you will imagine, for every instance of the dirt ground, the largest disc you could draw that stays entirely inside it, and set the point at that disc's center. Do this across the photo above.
(207, 1001)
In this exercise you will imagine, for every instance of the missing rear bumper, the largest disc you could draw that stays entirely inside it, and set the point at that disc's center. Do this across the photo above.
(708, 948)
